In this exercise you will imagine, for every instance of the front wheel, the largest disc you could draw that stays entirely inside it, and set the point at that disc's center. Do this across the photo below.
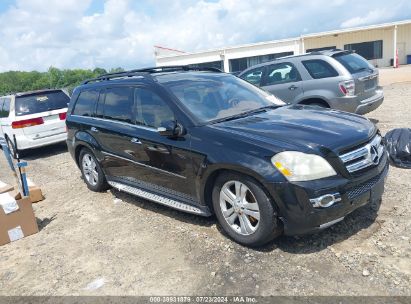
(91, 171)
(244, 210)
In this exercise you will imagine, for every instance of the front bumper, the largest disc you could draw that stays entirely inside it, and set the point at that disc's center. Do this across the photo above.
(297, 213)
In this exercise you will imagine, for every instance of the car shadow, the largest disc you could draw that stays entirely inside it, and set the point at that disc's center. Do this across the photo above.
(375, 121)
(164, 210)
(47, 151)
(359, 220)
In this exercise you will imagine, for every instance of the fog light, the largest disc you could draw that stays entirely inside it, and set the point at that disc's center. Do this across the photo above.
(326, 200)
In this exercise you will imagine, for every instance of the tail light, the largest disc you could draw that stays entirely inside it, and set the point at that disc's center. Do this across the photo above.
(63, 116)
(27, 123)
(347, 87)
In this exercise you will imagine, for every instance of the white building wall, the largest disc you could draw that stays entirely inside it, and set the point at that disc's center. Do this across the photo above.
(232, 53)
(383, 32)
(339, 40)
(404, 42)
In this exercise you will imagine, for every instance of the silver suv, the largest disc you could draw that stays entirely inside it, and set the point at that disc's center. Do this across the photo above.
(337, 79)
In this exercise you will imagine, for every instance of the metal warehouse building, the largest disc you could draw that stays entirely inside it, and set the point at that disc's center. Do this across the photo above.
(377, 43)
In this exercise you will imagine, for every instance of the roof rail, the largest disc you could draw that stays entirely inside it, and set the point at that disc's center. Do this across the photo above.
(146, 72)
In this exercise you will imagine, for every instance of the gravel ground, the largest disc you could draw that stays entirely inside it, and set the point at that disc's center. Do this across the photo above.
(114, 244)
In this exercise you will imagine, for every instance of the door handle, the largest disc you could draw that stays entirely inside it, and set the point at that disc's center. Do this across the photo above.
(292, 87)
(135, 140)
(158, 149)
(94, 129)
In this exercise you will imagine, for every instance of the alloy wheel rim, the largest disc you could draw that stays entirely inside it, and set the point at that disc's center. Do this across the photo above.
(90, 169)
(239, 207)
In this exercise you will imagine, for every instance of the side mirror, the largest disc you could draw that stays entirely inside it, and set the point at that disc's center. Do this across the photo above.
(171, 129)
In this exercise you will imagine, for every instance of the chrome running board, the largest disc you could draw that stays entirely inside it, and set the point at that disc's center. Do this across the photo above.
(158, 199)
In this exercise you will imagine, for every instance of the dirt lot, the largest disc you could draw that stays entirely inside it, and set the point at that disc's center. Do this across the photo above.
(94, 244)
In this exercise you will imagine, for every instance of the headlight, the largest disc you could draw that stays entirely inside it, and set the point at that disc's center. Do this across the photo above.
(298, 166)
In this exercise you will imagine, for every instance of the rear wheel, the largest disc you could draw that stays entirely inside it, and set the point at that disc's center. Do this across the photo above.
(91, 171)
(244, 211)
(12, 149)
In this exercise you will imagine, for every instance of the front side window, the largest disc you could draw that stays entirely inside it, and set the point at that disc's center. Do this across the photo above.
(85, 103)
(119, 104)
(151, 110)
(211, 97)
(318, 68)
(41, 102)
(282, 73)
(254, 76)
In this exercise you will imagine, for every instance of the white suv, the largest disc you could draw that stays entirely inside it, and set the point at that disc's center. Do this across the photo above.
(36, 118)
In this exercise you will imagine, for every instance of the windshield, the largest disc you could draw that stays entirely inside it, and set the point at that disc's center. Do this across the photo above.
(213, 97)
(354, 63)
(41, 102)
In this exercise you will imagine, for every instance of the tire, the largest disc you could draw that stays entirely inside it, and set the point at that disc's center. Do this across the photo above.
(317, 104)
(237, 221)
(13, 151)
(91, 171)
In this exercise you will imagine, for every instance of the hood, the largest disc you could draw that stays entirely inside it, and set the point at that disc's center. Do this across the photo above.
(303, 127)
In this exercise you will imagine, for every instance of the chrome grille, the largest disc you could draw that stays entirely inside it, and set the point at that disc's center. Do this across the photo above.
(365, 156)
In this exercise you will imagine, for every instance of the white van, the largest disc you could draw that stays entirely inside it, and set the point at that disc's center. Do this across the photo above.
(36, 118)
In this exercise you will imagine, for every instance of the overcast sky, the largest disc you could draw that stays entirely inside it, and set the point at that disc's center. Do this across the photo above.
(37, 34)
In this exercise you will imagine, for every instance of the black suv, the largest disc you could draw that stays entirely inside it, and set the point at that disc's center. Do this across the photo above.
(206, 142)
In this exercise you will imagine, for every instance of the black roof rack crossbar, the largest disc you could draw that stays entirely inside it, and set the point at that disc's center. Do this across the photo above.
(146, 72)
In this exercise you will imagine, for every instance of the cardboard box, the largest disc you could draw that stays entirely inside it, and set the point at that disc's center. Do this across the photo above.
(17, 218)
(36, 195)
(5, 187)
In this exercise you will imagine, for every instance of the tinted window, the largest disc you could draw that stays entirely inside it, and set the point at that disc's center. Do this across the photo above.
(281, 73)
(353, 62)
(85, 103)
(152, 111)
(4, 107)
(119, 104)
(41, 102)
(319, 69)
(212, 97)
(368, 50)
(1, 108)
(254, 76)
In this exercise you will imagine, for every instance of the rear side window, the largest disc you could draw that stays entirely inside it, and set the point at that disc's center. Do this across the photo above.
(281, 73)
(254, 76)
(152, 111)
(85, 103)
(119, 104)
(4, 107)
(319, 68)
(41, 102)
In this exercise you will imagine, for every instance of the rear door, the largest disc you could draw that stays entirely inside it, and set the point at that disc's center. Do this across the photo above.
(49, 106)
(5, 121)
(113, 128)
(2, 117)
(283, 81)
(126, 128)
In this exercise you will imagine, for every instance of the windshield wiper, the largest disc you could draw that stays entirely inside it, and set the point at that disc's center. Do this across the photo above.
(245, 114)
